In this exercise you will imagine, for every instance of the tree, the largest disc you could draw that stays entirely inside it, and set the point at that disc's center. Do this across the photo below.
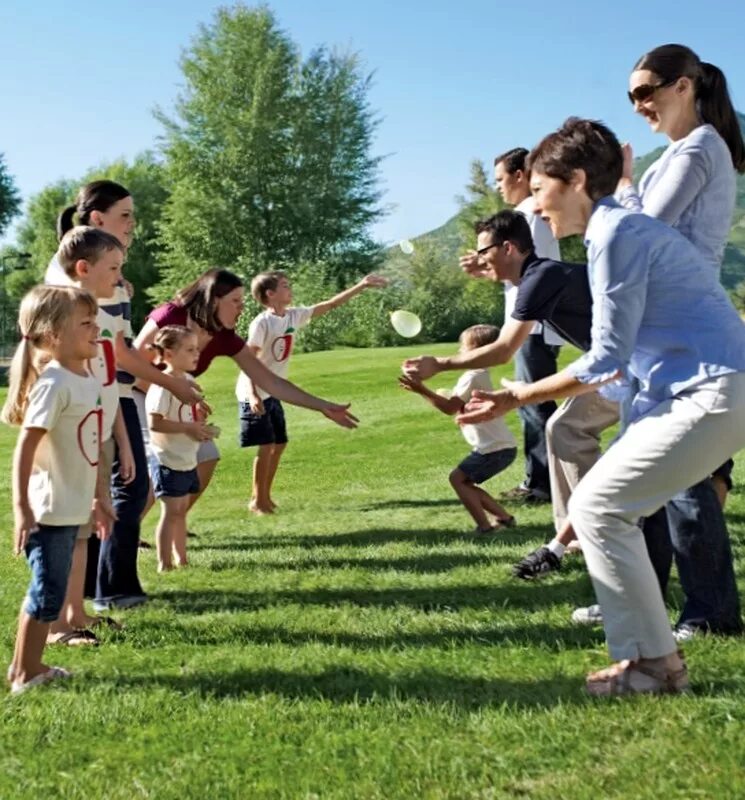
(144, 177)
(10, 199)
(480, 202)
(268, 155)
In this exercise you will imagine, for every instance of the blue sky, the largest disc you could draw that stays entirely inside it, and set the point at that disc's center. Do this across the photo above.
(453, 80)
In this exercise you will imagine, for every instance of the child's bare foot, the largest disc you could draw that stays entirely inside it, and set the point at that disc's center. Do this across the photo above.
(260, 510)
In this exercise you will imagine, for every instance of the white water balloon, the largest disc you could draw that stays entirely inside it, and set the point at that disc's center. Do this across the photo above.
(406, 323)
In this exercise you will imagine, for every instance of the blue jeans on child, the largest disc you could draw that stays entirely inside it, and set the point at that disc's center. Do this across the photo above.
(49, 554)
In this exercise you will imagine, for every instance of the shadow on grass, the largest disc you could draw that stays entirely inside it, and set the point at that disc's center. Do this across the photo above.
(357, 686)
(410, 504)
(370, 537)
(547, 638)
(428, 599)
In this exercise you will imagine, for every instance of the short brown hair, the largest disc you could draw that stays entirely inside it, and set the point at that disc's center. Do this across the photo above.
(479, 335)
(84, 243)
(265, 282)
(581, 144)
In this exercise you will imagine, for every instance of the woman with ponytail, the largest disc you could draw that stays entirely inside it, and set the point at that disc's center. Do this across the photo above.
(101, 204)
(691, 186)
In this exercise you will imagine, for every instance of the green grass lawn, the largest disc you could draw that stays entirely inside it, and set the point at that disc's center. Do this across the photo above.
(359, 644)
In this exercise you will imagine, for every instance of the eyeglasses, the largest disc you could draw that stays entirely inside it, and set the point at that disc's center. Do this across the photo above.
(642, 93)
(488, 247)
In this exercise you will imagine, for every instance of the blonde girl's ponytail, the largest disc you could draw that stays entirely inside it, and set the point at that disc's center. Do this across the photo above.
(44, 312)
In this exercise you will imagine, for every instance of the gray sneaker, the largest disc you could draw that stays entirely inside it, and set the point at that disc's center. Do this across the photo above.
(591, 615)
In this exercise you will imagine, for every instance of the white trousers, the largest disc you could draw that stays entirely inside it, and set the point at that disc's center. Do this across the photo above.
(674, 446)
(573, 444)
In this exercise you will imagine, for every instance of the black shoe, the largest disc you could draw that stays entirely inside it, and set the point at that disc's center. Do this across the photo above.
(527, 496)
(536, 564)
(143, 545)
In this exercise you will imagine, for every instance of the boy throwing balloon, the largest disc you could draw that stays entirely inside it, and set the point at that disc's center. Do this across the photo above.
(270, 338)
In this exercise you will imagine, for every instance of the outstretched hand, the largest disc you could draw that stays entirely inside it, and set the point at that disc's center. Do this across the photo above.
(410, 383)
(341, 415)
(374, 281)
(484, 406)
(420, 368)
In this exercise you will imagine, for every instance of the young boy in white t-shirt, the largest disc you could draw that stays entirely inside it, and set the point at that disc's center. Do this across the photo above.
(92, 260)
(270, 338)
(494, 447)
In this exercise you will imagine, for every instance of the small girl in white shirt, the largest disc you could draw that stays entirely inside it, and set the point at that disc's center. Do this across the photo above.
(176, 429)
(493, 446)
(57, 402)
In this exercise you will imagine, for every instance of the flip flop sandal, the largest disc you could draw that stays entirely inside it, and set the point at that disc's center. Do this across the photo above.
(52, 674)
(631, 677)
(78, 638)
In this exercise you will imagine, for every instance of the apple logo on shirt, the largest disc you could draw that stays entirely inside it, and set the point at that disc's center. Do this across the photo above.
(90, 431)
(187, 413)
(282, 346)
(103, 366)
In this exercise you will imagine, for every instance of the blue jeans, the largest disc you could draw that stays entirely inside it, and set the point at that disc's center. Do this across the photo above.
(117, 561)
(49, 554)
(533, 361)
(692, 530)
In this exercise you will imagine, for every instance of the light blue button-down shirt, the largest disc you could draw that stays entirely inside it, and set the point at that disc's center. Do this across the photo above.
(659, 312)
(692, 187)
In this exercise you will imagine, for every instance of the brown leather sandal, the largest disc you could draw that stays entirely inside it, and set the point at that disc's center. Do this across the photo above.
(632, 677)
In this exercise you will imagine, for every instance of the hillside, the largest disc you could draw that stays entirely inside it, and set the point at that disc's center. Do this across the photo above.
(445, 239)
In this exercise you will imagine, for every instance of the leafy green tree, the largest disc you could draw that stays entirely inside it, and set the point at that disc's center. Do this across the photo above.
(480, 201)
(10, 199)
(268, 155)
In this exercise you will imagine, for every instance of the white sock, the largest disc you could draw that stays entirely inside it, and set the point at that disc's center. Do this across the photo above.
(556, 547)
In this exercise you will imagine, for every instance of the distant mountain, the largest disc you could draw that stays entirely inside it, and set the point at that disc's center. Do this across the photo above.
(445, 239)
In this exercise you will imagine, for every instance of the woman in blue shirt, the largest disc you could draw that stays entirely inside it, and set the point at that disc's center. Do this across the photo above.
(658, 316)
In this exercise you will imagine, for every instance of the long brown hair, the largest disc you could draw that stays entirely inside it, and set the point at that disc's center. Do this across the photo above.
(673, 61)
(200, 298)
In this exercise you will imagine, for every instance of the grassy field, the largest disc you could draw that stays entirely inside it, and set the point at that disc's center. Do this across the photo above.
(359, 644)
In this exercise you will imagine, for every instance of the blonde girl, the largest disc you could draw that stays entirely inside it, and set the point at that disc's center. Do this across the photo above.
(56, 402)
(176, 431)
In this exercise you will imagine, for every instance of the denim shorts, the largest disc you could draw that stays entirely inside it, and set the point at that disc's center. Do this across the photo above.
(49, 554)
(207, 451)
(266, 428)
(169, 482)
(479, 467)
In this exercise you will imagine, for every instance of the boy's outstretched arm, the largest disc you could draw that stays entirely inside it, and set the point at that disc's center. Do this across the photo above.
(368, 282)
(448, 405)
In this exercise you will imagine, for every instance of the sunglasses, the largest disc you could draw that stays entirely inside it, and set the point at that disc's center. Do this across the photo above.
(644, 92)
(488, 247)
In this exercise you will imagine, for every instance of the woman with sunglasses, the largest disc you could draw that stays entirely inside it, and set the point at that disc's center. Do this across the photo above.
(660, 316)
(691, 187)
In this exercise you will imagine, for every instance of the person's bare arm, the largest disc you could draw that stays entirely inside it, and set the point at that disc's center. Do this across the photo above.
(287, 391)
(131, 360)
(368, 282)
(511, 337)
(23, 462)
(447, 405)
(256, 403)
